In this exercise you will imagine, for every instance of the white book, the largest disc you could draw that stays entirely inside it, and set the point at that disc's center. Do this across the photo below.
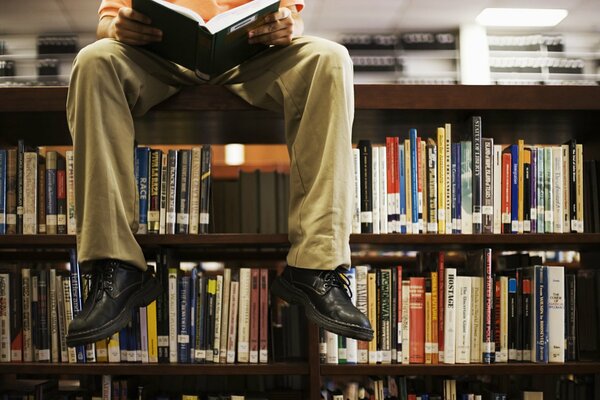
(448, 144)
(476, 319)
(361, 304)
(173, 306)
(70, 173)
(233, 313)
(503, 356)
(30, 160)
(497, 163)
(356, 202)
(106, 387)
(331, 339)
(383, 194)
(463, 319)
(53, 312)
(224, 316)
(195, 190)
(556, 314)
(114, 350)
(243, 345)
(5, 317)
(68, 303)
(218, 319)
(375, 188)
(351, 344)
(26, 305)
(557, 188)
(405, 321)
(450, 316)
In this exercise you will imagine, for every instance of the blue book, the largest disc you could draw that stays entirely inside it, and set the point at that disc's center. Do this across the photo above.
(541, 313)
(413, 180)
(539, 178)
(3, 173)
(402, 182)
(456, 188)
(124, 343)
(514, 188)
(75, 277)
(477, 189)
(51, 193)
(183, 324)
(142, 168)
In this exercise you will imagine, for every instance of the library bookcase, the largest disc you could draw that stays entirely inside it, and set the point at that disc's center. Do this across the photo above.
(206, 114)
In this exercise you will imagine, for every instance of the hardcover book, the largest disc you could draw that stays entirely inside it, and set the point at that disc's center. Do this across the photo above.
(208, 48)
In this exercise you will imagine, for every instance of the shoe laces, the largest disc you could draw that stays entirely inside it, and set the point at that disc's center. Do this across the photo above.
(103, 279)
(336, 278)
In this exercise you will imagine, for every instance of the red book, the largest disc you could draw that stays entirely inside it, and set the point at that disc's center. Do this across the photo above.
(417, 320)
(263, 354)
(441, 294)
(506, 193)
(393, 184)
(254, 314)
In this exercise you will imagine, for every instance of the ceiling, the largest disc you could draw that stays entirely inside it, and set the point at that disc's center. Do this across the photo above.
(323, 17)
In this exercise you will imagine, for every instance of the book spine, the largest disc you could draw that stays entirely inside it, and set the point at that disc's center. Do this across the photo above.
(434, 348)
(332, 340)
(408, 185)
(571, 317)
(533, 190)
(414, 181)
(441, 275)
(154, 191)
(225, 314)
(243, 344)
(393, 185)
(487, 201)
(29, 193)
(442, 180)
(70, 195)
(173, 312)
(357, 192)
(432, 189)
(205, 188)
(557, 188)
(152, 332)
(503, 319)
(142, 328)
(449, 176)
(11, 191)
(386, 316)
(5, 312)
(497, 188)
(456, 189)
(193, 312)
(527, 317)
(62, 323)
(67, 300)
(514, 189)
(3, 173)
(171, 205)
(41, 191)
(61, 195)
(488, 307)
(20, 182)
(383, 193)
(194, 195)
(539, 178)
(142, 156)
(406, 321)
(76, 299)
(16, 317)
(526, 190)
(218, 317)
(520, 183)
(372, 315)
(466, 183)
(541, 314)
(556, 314)
(422, 183)
(182, 207)
(164, 190)
(397, 293)
(566, 201)
(51, 211)
(200, 346)
(233, 313)
(263, 355)
(572, 167)
(254, 315)
(548, 192)
(450, 316)
(27, 330)
(579, 162)
(463, 319)
(476, 330)
(362, 305)
(183, 323)
(375, 187)
(366, 184)
(428, 329)
(477, 174)
(162, 307)
(513, 328)
(53, 315)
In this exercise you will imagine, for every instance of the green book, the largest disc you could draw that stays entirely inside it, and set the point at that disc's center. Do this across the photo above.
(208, 48)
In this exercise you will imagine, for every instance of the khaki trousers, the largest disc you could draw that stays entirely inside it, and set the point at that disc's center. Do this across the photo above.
(310, 81)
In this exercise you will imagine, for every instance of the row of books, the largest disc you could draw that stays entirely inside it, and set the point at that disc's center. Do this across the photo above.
(37, 190)
(199, 318)
(469, 314)
(470, 185)
(415, 388)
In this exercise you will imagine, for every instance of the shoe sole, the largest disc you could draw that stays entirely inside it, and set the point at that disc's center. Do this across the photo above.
(142, 298)
(287, 292)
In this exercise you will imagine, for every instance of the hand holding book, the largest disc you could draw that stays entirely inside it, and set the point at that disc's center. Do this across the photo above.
(277, 29)
(133, 28)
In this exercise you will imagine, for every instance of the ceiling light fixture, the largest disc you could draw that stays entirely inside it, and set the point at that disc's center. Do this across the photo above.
(524, 17)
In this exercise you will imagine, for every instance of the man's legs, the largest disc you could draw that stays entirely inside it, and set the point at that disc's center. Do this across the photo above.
(311, 80)
(111, 82)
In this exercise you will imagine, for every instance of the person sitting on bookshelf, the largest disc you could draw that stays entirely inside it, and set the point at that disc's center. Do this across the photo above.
(309, 79)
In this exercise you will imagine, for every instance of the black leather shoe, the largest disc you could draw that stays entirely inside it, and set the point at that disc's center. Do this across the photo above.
(117, 288)
(324, 295)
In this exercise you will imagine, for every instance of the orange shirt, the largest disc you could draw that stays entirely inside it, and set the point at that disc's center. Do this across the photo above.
(206, 8)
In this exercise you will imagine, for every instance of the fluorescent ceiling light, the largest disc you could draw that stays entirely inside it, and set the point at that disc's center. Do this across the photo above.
(521, 17)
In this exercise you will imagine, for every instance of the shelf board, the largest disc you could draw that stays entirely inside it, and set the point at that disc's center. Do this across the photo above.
(367, 97)
(154, 369)
(465, 369)
(431, 242)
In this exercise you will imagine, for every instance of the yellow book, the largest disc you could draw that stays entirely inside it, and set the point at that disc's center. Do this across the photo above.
(114, 349)
(372, 314)
(448, 150)
(428, 339)
(521, 149)
(441, 175)
(152, 332)
(407, 172)
(434, 318)
(102, 351)
(189, 397)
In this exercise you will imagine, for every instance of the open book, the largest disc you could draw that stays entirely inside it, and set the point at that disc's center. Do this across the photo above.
(208, 48)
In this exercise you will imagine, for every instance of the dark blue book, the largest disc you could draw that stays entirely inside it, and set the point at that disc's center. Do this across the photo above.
(162, 307)
(456, 188)
(76, 299)
(200, 326)
(414, 186)
(477, 174)
(43, 342)
(402, 182)
(514, 188)
(183, 321)
(124, 344)
(3, 174)
(51, 199)
(142, 168)
(541, 313)
(136, 335)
